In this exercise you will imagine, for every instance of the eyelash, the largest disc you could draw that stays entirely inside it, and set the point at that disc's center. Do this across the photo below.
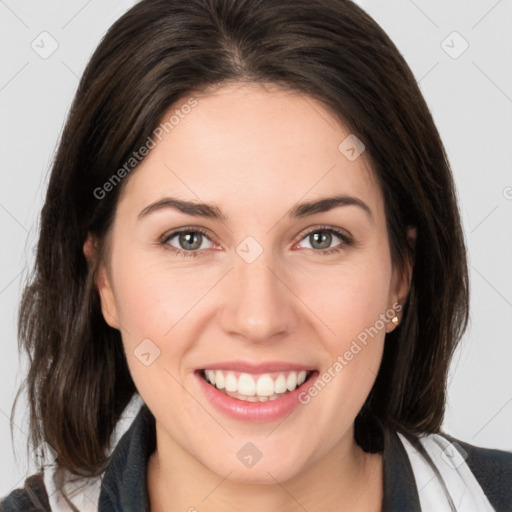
(346, 240)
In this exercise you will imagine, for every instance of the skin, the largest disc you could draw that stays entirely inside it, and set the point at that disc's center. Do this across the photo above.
(254, 152)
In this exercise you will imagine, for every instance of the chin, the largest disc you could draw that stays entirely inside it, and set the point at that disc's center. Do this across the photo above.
(258, 471)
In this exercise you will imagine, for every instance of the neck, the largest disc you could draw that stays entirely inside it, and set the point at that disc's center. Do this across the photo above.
(345, 479)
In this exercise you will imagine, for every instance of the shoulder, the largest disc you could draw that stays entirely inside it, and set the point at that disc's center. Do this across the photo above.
(484, 460)
(31, 497)
(492, 468)
(486, 473)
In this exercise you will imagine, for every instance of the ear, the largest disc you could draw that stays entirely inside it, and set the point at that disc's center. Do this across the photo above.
(102, 281)
(401, 283)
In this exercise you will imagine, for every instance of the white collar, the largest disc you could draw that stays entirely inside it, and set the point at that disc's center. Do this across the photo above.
(85, 493)
(450, 460)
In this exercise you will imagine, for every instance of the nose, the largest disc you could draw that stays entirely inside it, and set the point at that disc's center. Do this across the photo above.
(259, 304)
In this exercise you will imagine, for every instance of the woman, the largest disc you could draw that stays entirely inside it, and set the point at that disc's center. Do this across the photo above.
(251, 224)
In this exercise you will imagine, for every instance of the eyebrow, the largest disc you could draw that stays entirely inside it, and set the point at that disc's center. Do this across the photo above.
(301, 210)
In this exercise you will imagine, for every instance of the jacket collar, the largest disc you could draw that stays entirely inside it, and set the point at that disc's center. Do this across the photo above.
(124, 489)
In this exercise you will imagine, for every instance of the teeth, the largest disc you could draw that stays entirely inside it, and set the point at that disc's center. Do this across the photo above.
(291, 381)
(280, 384)
(231, 382)
(265, 386)
(210, 376)
(219, 380)
(255, 388)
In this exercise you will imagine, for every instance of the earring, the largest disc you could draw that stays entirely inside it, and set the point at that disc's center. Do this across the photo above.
(394, 321)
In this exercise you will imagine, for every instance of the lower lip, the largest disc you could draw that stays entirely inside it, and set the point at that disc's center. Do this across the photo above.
(254, 412)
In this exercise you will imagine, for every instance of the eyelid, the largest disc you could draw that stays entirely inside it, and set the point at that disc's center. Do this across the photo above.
(344, 235)
(163, 239)
(324, 227)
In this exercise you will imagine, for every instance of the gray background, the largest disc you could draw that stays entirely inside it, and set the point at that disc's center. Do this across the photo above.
(470, 96)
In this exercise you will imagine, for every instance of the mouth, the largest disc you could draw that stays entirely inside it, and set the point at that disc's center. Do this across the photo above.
(251, 387)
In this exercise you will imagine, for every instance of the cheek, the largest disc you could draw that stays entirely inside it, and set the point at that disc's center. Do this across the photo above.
(161, 312)
(351, 302)
(350, 299)
(152, 296)
(155, 307)
(342, 301)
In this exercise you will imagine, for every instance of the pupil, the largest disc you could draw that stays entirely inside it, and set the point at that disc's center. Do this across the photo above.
(322, 235)
(186, 240)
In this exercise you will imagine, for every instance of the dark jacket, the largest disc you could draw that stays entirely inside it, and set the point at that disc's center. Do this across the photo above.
(123, 487)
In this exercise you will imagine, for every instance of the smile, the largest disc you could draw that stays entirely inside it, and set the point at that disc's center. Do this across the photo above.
(252, 396)
(255, 388)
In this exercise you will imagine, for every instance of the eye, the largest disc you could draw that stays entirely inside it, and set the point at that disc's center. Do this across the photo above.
(189, 241)
(193, 241)
(320, 239)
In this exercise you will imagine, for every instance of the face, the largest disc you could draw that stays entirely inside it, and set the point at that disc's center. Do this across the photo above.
(260, 292)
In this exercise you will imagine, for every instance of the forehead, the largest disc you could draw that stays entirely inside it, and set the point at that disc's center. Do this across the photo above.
(248, 146)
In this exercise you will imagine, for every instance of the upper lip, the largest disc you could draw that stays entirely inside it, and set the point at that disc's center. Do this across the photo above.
(251, 367)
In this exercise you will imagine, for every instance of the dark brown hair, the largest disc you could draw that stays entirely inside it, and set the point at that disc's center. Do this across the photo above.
(160, 51)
